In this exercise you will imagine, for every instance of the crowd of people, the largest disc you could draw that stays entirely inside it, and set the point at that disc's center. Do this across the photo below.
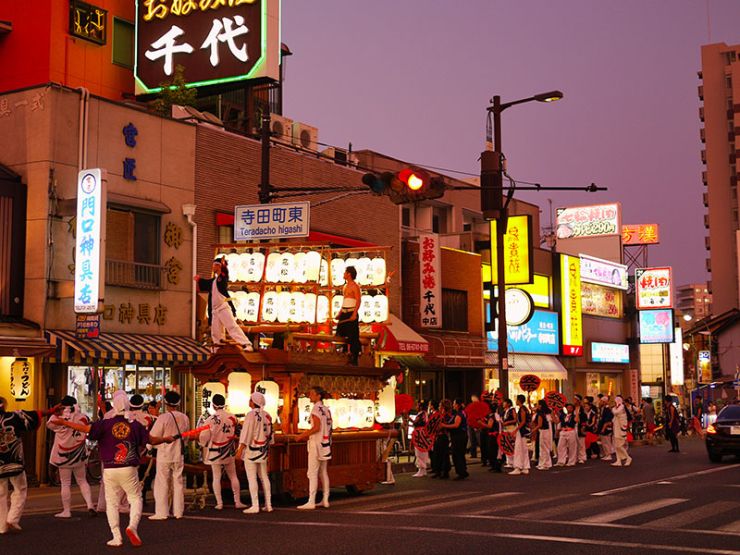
(512, 435)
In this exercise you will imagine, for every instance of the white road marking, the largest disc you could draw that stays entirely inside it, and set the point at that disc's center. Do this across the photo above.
(467, 500)
(390, 503)
(371, 498)
(693, 514)
(631, 510)
(664, 483)
(521, 503)
(678, 477)
(733, 527)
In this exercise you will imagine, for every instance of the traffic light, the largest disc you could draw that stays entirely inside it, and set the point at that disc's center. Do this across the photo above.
(408, 185)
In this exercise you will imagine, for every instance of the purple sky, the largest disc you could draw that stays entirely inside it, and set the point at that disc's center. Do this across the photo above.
(412, 78)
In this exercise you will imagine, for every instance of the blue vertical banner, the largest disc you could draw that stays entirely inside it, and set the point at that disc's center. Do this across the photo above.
(90, 241)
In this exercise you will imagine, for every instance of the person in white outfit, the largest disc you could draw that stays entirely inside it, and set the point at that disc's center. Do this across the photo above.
(170, 460)
(69, 454)
(219, 445)
(420, 440)
(319, 448)
(605, 429)
(121, 440)
(254, 450)
(107, 415)
(521, 451)
(221, 310)
(568, 441)
(620, 425)
(542, 427)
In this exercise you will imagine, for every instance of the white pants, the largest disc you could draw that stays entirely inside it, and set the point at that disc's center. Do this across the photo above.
(65, 477)
(230, 468)
(253, 470)
(545, 448)
(606, 446)
(316, 467)
(620, 445)
(122, 481)
(422, 460)
(521, 453)
(101, 508)
(568, 447)
(221, 319)
(169, 474)
(581, 449)
(17, 500)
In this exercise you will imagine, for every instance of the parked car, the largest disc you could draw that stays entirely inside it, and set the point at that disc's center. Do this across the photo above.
(723, 437)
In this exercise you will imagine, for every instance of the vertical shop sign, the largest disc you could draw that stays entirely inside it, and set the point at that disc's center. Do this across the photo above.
(20, 379)
(129, 164)
(634, 383)
(570, 294)
(518, 252)
(704, 364)
(90, 241)
(430, 281)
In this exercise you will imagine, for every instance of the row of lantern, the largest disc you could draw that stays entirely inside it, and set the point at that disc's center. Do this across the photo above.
(297, 306)
(302, 267)
(346, 413)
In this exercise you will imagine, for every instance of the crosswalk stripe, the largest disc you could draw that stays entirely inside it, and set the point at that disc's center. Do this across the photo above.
(631, 510)
(392, 503)
(507, 507)
(693, 514)
(467, 500)
(732, 527)
(365, 498)
(564, 509)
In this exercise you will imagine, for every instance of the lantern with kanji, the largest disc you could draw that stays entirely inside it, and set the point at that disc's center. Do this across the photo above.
(207, 391)
(20, 379)
(240, 389)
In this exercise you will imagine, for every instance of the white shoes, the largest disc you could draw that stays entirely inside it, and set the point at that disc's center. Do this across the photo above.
(240, 505)
(525, 471)
(157, 517)
(628, 461)
(419, 474)
(325, 503)
(617, 463)
(543, 468)
(251, 510)
(268, 509)
(606, 458)
(515, 472)
(63, 514)
(310, 506)
(115, 542)
(220, 507)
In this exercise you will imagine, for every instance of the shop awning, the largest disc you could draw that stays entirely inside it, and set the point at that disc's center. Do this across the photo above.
(126, 348)
(411, 361)
(24, 347)
(543, 366)
(397, 337)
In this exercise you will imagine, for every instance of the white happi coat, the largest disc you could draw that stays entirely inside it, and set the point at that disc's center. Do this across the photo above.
(320, 443)
(257, 435)
(69, 447)
(219, 440)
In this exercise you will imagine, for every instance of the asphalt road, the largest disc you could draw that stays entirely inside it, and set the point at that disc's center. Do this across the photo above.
(663, 503)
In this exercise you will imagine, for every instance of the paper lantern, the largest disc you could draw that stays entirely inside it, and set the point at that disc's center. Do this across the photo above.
(377, 270)
(367, 309)
(299, 267)
(287, 267)
(305, 406)
(274, 261)
(270, 306)
(364, 271)
(207, 391)
(283, 307)
(313, 266)
(386, 406)
(336, 305)
(322, 309)
(364, 413)
(232, 261)
(252, 307)
(309, 308)
(271, 391)
(255, 267)
(351, 262)
(323, 273)
(380, 308)
(341, 413)
(296, 307)
(337, 272)
(240, 304)
(241, 266)
(21, 376)
(240, 389)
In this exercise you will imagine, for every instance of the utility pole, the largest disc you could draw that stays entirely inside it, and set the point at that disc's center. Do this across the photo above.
(265, 188)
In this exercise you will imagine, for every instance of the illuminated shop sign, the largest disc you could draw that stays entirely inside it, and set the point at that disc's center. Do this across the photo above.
(430, 281)
(216, 41)
(570, 294)
(538, 336)
(653, 288)
(676, 353)
(88, 22)
(539, 290)
(610, 352)
(518, 253)
(704, 366)
(89, 241)
(272, 221)
(601, 301)
(656, 326)
(588, 221)
(603, 272)
(641, 234)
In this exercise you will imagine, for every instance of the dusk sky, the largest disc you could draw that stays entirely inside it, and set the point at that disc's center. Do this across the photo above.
(412, 79)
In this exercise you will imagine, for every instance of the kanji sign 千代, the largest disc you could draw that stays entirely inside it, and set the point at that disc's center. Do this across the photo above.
(653, 288)
(641, 234)
(90, 241)
(430, 281)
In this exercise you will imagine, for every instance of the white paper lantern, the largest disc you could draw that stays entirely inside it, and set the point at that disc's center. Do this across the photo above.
(364, 271)
(240, 304)
(337, 272)
(232, 261)
(322, 309)
(313, 266)
(252, 307)
(386, 409)
(274, 261)
(299, 267)
(377, 269)
(270, 306)
(283, 307)
(240, 389)
(367, 309)
(365, 413)
(323, 273)
(207, 391)
(336, 305)
(341, 413)
(242, 266)
(309, 308)
(305, 406)
(287, 267)
(351, 262)
(255, 267)
(380, 308)
(271, 391)
(297, 307)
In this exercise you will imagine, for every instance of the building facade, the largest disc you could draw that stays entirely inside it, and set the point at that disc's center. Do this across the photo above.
(694, 300)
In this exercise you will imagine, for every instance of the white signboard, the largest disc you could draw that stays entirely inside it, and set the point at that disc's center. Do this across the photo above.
(90, 241)
(603, 272)
(430, 281)
(589, 221)
(519, 307)
(610, 352)
(653, 288)
(676, 355)
(271, 221)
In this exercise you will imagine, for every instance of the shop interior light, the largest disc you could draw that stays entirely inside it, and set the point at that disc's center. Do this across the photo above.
(240, 389)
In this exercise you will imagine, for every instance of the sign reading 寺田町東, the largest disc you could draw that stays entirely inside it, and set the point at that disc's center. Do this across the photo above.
(271, 221)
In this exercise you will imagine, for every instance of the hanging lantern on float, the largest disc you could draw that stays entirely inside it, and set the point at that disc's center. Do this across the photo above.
(251, 310)
(271, 391)
(377, 269)
(367, 309)
(313, 266)
(240, 388)
(207, 391)
(336, 305)
(297, 307)
(380, 308)
(309, 308)
(283, 307)
(322, 309)
(305, 406)
(299, 267)
(270, 306)
(323, 273)
(274, 261)
(337, 272)
(287, 267)
(364, 271)
(256, 267)
(386, 405)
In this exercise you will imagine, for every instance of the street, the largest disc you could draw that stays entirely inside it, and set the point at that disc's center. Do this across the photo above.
(663, 503)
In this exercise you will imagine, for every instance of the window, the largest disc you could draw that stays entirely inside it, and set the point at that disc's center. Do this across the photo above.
(454, 310)
(651, 363)
(132, 248)
(439, 220)
(225, 234)
(12, 243)
(123, 43)
(406, 217)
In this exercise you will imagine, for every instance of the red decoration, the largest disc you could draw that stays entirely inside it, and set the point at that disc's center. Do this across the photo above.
(475, 412)
(591, 438)
(506, 441)
(404, 403)
(529, 382)
(399, 378)
(190, 434)
(555, 400)
(630, 437)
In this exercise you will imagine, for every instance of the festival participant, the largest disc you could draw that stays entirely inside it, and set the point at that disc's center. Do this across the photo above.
(510, 426)
(648, 417)
(348, 319)
(433, 430)
(13, 425)
(69, 454)
(620, 425)
(318, 442)
(580, 428)
(254, 449)
(542, 420)
(106, 412)
(420, 440)
(592, 449)
(568, 441)
(442, 441)
(457, 428)
(672, 423)
(170, 460)
(140, 413)
(605, 428)
(219, 444)
(521, 451)
(120, 442)
(492, 427)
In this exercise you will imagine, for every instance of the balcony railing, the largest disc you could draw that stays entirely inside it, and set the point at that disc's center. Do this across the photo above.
(134, 274)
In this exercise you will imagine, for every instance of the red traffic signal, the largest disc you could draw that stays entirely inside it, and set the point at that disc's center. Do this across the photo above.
(408, 185)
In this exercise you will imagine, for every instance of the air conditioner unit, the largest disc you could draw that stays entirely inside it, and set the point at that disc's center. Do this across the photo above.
(281, 129)
(305, 136)
(340, 156)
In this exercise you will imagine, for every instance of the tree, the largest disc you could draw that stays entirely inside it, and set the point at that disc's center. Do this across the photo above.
(174, 92)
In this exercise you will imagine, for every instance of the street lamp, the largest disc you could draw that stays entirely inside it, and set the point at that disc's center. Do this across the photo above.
(494, 208)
